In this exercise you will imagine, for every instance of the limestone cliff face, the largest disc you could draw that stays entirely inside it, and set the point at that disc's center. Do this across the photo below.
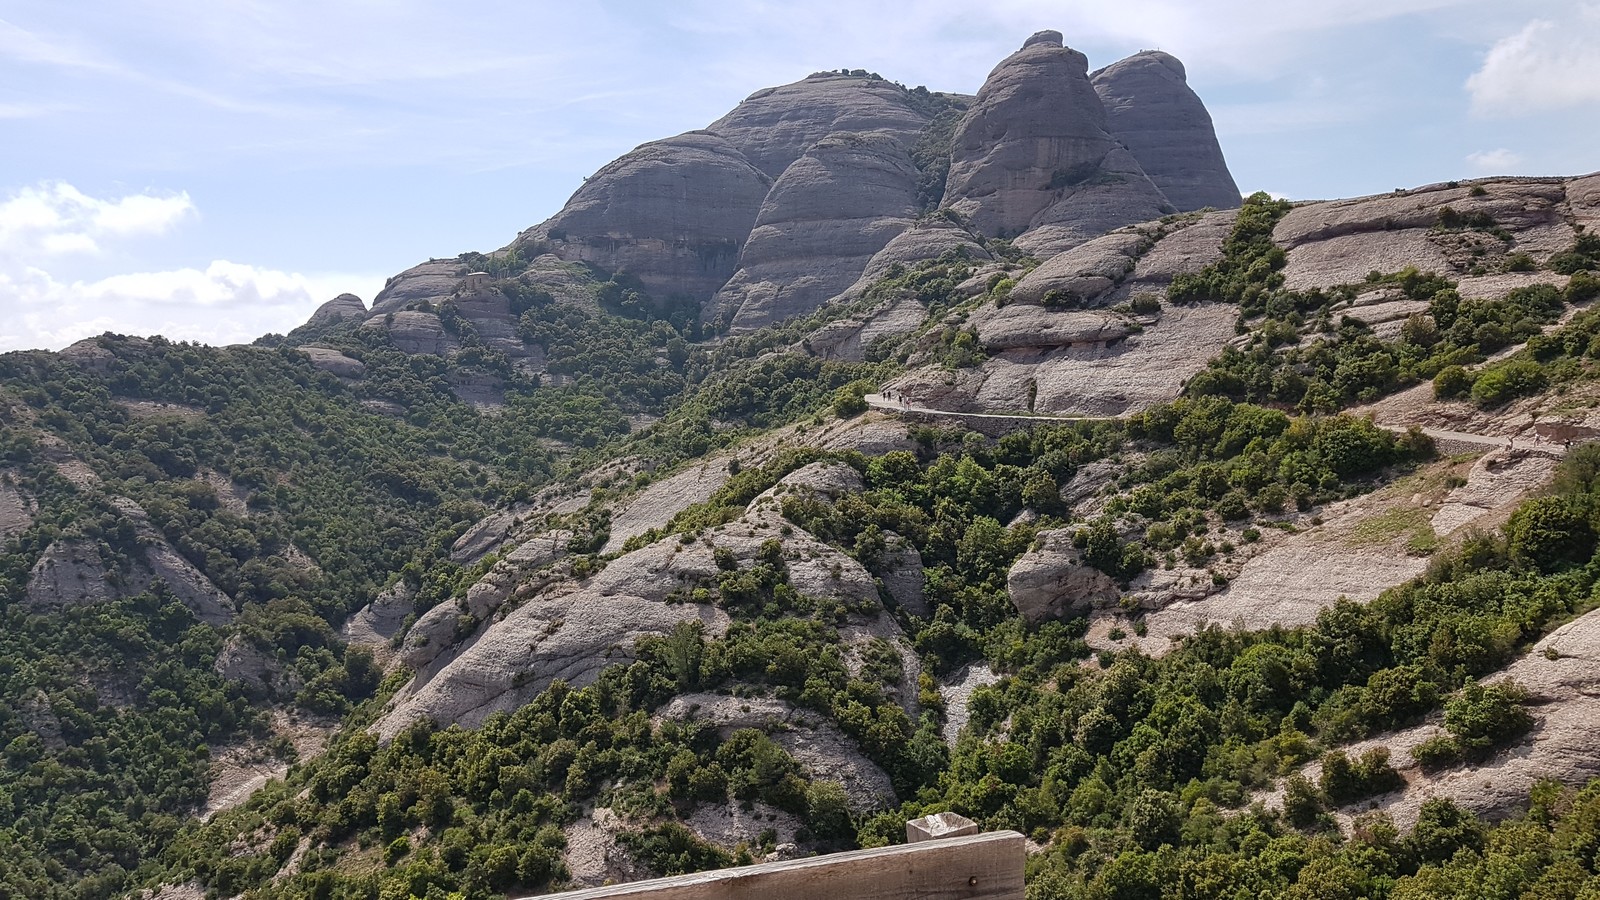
(825, 218)
(1152, 111)
(1034, 155)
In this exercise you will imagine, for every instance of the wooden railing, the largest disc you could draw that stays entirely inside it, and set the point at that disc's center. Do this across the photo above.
(975, 867)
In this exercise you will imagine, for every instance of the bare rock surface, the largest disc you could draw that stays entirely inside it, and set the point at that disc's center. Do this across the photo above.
(1015, 326)
(1033, 155)
(341, 308)
(815, 742)
(658, 503)
(1051, 580)
(415, 331)
(1086, 272)
(16, 508)
(593, 856)
(488, 534)
(1562, 676)
(239, 770)
(957, 692)
(71, 572)
(673, 212)
(430, 282)
(1146, 368)
(775, 126)
(825, 218)
(1495, 485)
(375, 625)
(903, 575)
(334, 362)
(568, 633)
(262, 674)
(1152, 110)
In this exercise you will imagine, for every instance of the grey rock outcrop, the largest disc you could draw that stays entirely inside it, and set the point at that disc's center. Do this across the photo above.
(1051, 581)
(72, 572)
(1084, 274)
(261, 674)
(16, 508)
(829, 213)
(431, 282)
(415, 331)
(1152, 110)
(341, 308)
(815, 742)
(775, 126)
(1033, 155)
(334, 362)
(672, 212)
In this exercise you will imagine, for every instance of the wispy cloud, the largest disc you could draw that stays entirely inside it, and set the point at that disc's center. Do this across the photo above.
(1546, 65)
(1499, 161)
(44, 227)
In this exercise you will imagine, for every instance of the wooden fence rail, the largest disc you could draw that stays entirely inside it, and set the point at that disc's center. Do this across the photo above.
(976, 867)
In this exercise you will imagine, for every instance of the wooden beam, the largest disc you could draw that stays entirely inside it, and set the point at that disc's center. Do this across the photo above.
(976, 867)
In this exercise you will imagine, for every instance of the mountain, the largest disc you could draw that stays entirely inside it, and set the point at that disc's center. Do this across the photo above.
(870, 453)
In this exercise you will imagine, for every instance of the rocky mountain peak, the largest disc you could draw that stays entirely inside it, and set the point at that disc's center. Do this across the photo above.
(1046, 36)
(1152, 111)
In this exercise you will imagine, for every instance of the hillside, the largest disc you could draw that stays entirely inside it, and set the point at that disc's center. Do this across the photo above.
(871, 452)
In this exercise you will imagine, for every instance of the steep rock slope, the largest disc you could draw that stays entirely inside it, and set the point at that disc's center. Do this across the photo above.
(674, 213)
(825, 218)
(1033, 156)
(1152, 110)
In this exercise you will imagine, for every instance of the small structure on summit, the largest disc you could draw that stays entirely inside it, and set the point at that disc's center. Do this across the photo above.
(475, 282)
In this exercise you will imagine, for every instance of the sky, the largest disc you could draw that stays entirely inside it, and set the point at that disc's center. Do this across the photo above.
(212, 170)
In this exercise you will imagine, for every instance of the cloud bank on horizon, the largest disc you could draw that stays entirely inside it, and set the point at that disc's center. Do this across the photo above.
(213, 171)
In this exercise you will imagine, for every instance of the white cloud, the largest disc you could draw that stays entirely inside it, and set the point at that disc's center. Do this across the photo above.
(1546, 65)
(56, 218)
(43, 304)
(1498, 161)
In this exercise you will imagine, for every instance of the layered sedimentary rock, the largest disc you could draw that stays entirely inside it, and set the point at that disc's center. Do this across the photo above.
(339, 309)
(673, 213)
(1033, 155)
(1151, 109)
(823, 221)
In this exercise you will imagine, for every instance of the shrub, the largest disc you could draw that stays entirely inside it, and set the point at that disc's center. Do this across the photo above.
(1483, 717)
(1504, 383)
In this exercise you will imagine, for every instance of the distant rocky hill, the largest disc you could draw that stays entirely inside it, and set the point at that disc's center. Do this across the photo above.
(779, 207)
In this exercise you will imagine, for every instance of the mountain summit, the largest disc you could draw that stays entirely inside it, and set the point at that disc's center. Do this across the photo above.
(777, 208)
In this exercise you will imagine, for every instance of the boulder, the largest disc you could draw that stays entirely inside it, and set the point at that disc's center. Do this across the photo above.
(1034, 151)
(334, 362)
(674, 213)
(829, 213)
(903, 577)
(1051, 581)
(775, 126)
(1152, 110)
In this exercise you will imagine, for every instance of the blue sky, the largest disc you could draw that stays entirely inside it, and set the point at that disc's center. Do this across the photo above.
(214, 169)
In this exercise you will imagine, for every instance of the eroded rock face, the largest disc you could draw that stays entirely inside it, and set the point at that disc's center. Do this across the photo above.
(414, 331)
(432, 282)
(1051, 581)
(334, 362)
(339, 309)
(261, 673)
(814, 742)
(774, 126)
(1082, 275)
(672, 212)
(1152, 110)
(824, 220)
(72, 572)
(1033, 154)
